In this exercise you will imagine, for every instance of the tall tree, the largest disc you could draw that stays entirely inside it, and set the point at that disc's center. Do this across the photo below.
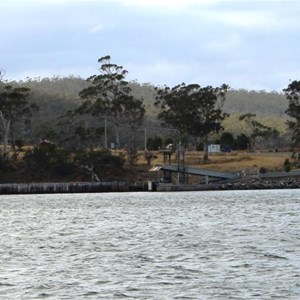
(14, 109)
(256, 129)
(79, 132)
(104, 96)
(109, 97)
(193, 110)
(134, 111)
(292, 93)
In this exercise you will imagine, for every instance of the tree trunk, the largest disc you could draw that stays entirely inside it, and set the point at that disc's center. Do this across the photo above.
(205, 151)
(132, 147)
(12, 139)
(117, 132)
(133, 137)
(6, 129)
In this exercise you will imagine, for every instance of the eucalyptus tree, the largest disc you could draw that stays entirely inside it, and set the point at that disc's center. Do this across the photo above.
(104, 97)
(109, 97)
(77, 132)
(256, 129)
(14, 109)
(292, 93)
(133, 116)
(193, 110)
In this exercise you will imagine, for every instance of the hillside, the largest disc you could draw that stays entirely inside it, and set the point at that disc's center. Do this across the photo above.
(261, 103)
(66, 89)
(55, 96)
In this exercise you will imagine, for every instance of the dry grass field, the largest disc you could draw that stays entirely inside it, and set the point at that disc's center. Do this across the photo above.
(231, 162)
(227, 162)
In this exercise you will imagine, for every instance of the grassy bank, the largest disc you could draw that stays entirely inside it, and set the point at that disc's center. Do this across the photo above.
(139, 173)
(232, 162)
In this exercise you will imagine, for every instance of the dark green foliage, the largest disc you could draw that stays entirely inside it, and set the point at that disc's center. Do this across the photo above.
(99, 159)
(10, 170)
(155, 143)
(262, 170)
(193, 110)
(48, 160)
(168, 141)
(132, 155)
(7, 165)
(79, 132)
(56, 95)
(257, 129)
(106, 95)
(100, 162)
(287, 165)
(292, 93)
(109, 97)
(133, 113)
(242, 142)
(227, 142)
(84, 133)
(14, 110)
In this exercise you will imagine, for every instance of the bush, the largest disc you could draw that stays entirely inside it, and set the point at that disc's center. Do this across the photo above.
(227, 141)
(100, 160)
(287, 165)
(155, 143)
(242, 142)
(262, 170)
(48, 160)
(7, 165)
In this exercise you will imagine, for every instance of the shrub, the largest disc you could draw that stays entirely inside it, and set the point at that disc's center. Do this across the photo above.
(287, 165)
(49, 160)
(262, 170)
(100, 160)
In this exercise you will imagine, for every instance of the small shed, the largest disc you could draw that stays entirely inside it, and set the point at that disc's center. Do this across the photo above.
(214, 148)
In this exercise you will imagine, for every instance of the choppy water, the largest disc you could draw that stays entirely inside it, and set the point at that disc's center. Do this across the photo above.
(191, 245)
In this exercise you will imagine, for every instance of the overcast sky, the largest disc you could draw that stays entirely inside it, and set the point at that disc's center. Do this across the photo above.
(246, 44)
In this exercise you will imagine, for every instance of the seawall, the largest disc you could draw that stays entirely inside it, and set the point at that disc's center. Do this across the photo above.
(117, 186)
(64, 187)
(242, 184)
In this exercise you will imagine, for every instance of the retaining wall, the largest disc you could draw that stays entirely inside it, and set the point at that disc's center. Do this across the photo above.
(65, 187)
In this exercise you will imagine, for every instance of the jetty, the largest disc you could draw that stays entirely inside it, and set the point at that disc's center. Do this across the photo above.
(200, 172)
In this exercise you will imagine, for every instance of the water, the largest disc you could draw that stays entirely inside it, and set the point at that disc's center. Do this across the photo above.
(189, 245)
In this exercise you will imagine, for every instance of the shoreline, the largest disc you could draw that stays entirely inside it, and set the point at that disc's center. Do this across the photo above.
(249, 184)
(150, 186)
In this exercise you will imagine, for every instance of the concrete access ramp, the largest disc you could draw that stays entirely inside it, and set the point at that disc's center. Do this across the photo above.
(200, 172)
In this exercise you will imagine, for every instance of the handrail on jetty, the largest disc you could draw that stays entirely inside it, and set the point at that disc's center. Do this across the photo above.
(200, 172)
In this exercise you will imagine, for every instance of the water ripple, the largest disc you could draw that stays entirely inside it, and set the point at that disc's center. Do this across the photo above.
(194, 245)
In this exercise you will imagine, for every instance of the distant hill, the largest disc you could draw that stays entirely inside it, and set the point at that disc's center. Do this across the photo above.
(64, 91)
(261, 103)
(55, 96)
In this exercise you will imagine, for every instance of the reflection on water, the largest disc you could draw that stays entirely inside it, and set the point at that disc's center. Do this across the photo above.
(190, 245)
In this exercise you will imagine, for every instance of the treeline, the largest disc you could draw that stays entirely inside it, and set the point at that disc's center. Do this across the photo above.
(106, 111)
(261, 103)
(57, 95)
(64, 93)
